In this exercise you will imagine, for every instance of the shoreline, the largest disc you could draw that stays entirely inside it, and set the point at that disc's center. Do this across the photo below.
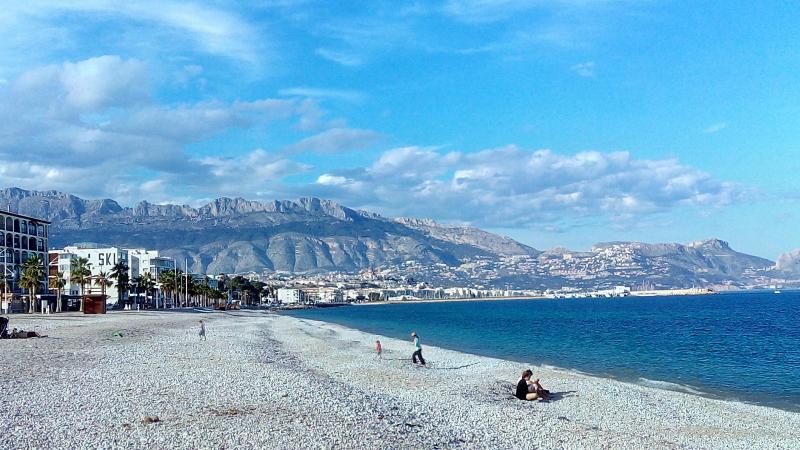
(263, 380)
(661, 385)
(643, 294)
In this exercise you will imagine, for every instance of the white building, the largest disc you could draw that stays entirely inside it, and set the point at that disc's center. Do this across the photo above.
(323, 294)
(289, 296)
(101, 261)
(148, 261)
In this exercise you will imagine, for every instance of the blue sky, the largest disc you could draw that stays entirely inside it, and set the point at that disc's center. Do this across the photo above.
(559, 123)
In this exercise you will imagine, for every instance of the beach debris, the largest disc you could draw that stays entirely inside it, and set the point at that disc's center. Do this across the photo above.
(232, 411)
(117, 333)
(150, 419)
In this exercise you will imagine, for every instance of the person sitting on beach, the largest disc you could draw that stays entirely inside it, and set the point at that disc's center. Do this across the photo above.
(530, 390)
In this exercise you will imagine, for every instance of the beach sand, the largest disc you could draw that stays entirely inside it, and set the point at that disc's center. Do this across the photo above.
(269, 381)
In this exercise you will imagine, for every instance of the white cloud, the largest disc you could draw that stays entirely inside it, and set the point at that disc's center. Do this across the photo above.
(511, 187)
(91, 84)
(585, 69)
(211, 29)
(715, 128)
(335, 94)
(92, 127)
(496, 10)
(340, 57)
(336, 140)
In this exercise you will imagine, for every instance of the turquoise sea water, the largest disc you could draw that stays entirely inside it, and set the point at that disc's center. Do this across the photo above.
(743, 346)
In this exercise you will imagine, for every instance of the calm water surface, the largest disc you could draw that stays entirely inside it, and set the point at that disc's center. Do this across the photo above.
(743, 346)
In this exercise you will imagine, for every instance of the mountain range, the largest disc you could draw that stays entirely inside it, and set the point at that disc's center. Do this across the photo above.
(315, 235)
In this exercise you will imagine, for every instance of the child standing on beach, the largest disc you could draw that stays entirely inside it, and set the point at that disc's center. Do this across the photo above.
(418, 350)
(202, 333)
(378, 348)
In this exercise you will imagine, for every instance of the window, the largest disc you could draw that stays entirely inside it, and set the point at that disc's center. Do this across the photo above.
(16, 241)
(9, 224)
(16, 225)
(8, 239)
(2, 222)
(24, 243)
(24, 227)
(40, 245)
(31, 243)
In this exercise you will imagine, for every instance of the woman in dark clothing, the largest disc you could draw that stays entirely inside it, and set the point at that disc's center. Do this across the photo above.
(529, 390)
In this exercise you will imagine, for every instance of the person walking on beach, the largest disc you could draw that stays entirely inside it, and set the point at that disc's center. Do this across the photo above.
(202, 333)
(378, 349)
(417, 350)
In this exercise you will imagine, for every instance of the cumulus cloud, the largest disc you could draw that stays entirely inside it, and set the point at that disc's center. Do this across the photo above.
(512, 187)
(92, 127)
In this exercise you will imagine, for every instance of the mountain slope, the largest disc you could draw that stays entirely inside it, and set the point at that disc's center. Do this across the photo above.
(313, 235)
(237, 235)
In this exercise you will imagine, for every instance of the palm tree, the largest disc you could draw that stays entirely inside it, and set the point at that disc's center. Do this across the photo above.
(32, 276)
(57, 283)
(104, 281)
(166, 283)
(121, 275)
(79, 273)
(147, 284)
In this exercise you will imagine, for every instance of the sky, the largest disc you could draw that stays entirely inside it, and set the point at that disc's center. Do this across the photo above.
(558, 123)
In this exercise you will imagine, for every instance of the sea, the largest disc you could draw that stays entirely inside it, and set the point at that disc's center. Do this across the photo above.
(742, 346)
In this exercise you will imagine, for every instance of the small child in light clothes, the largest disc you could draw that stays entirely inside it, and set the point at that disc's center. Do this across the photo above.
(378, 349)
(202, 333)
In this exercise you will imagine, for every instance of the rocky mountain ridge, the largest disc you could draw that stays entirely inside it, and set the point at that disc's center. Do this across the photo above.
(235, 235)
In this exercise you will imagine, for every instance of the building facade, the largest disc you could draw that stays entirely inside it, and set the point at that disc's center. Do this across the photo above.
(21, 238)
(288, 296)
(101, 262)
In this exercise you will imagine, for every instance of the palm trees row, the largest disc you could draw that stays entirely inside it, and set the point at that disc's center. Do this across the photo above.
(176, 284)
(183, 290)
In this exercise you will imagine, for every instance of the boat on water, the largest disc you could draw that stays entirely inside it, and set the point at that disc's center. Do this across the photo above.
(777, 292)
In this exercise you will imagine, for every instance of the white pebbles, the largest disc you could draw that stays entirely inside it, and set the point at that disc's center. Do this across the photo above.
(267, 381)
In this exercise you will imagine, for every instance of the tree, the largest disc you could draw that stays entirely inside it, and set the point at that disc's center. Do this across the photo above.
(103, 280)
(57, 283)
(147, 284)
(32, 276)
(79, 274)
(166, 283)
(120, 274)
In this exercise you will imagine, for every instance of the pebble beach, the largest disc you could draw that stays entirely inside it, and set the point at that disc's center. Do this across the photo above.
(261, 380)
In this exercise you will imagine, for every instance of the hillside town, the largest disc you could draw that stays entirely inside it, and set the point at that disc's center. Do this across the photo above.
(38, 278)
